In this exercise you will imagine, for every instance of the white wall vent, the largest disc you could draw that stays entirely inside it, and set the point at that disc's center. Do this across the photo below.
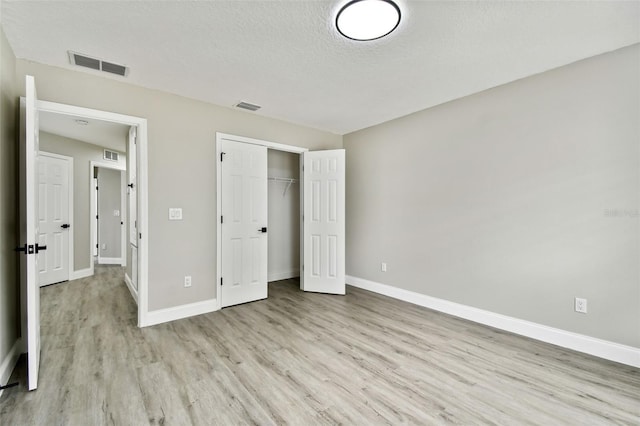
(247, 105)
(110, 155)
(83, 60)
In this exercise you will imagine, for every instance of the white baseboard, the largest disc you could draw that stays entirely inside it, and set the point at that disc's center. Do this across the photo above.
(82, 273)
(578, 342)
(9, 363)
(132, 290)
(179, 312)
(109, 260)
(277, 276)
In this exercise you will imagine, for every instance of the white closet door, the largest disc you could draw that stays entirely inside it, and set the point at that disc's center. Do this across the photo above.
(324, 222)
(244, 222)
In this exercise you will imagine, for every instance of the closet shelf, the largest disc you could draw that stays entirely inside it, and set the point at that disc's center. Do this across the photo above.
(289, 181)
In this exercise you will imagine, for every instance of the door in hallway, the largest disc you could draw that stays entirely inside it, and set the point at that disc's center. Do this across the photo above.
(53, 217)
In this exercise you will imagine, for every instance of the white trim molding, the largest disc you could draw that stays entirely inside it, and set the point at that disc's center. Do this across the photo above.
(9, 363)
(82, 273)
(179, 312)
(132, 290)
(578, 342)
(109, 260)
(277, 276)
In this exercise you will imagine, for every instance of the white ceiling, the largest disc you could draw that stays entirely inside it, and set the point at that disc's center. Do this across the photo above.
(97, 132)
(288, 57)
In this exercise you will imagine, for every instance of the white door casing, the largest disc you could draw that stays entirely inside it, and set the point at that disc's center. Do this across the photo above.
(53, 218)
(244, 220)
(93, 215)
(323, 203)
(30, 290)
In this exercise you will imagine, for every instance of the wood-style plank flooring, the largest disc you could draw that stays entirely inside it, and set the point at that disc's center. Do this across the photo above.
(302, 359)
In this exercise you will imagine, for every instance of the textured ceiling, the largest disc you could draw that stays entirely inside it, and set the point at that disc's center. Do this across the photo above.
(103, 133)
(287, 56)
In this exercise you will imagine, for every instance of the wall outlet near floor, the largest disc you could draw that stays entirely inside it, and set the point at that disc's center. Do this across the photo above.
(581, 305)
(383, 267)
(104, 246)
(187, 281)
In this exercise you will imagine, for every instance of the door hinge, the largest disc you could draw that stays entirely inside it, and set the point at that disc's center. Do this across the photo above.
(97, 246)
(140, 235)
(222, 156)
(220, 280)
(221, 219)
(135, 224)
(96, 188)
(97, 217)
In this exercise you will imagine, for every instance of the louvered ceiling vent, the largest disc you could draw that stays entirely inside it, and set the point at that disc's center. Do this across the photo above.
(247, 105)
(97, 64)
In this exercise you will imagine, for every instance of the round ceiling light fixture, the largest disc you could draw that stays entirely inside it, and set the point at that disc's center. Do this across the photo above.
(364, 20)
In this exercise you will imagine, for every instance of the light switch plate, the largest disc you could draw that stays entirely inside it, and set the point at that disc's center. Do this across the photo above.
(175, 213)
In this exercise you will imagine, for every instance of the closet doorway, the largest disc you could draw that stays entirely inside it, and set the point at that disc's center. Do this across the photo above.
(243, 205)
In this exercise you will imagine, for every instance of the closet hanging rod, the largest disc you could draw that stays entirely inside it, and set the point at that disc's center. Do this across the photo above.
(281, 179)
(289, 181)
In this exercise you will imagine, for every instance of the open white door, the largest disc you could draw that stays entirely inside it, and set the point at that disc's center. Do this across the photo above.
(323, 229)
(243, 222)
(29, 230)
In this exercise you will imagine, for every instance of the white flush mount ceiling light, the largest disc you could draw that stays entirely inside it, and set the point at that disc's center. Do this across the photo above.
(368, 19)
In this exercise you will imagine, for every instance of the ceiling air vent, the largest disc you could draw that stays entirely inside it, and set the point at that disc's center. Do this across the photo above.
(247, 105)
(110, 155)
(97, 64)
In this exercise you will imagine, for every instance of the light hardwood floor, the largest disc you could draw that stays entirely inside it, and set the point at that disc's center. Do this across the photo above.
(302, 359)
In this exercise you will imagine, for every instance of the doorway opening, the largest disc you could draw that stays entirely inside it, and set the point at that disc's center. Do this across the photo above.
(108, 214)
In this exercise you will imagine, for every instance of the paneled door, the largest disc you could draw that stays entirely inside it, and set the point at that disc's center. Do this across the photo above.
(53, 218)
(29, 245)
(243, 222)
(323, 232)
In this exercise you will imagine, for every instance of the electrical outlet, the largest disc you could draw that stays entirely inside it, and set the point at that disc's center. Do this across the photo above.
(187, 281)
(383, 267)
(581, 305)
(104, 246)
(175, 214)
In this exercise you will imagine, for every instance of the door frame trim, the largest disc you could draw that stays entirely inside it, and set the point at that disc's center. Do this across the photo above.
(252, 141)
(70, 185)
(143, 185)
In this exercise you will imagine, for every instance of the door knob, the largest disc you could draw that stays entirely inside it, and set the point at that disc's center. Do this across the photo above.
(40, 248)
(65, 226)
(263, 230)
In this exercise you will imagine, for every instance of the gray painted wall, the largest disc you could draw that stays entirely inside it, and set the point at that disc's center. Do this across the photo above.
(83, 153)
(109, 227)
(182, 168)
(284, 216)
(9, 283)
(514, 200)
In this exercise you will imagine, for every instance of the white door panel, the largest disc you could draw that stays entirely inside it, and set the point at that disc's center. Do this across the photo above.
(324, 222)
(133, 186)
(244, 213)
(53, 207)
(29, 233)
